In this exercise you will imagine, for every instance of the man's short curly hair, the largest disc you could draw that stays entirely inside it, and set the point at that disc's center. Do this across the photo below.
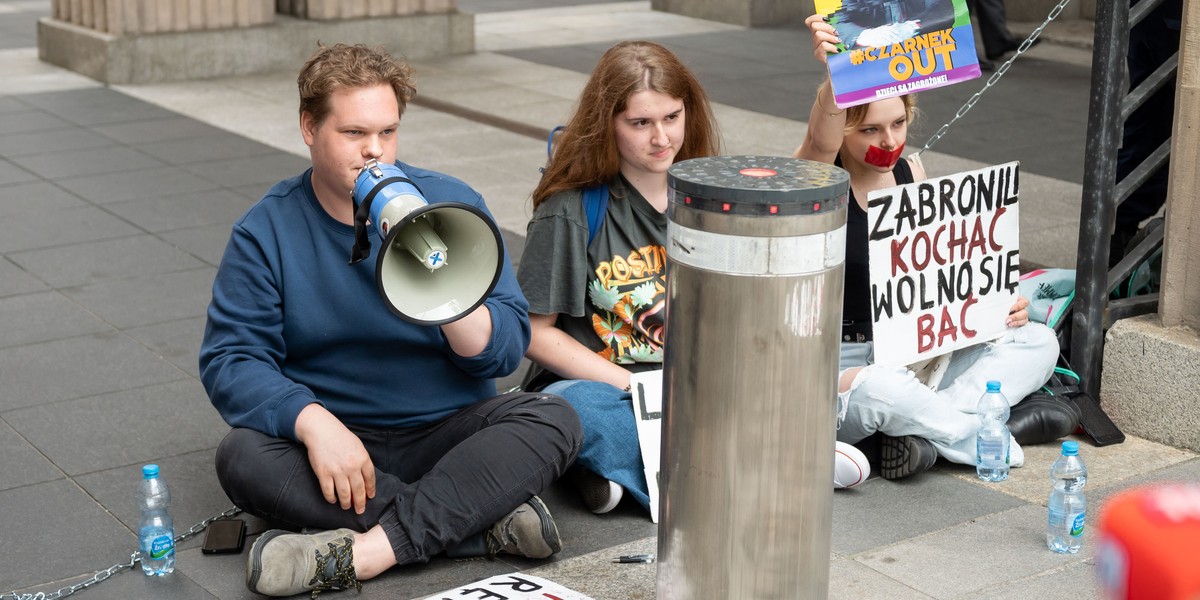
(341, 66)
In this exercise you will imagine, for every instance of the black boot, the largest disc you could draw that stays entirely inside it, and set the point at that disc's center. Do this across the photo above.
(1042, 418)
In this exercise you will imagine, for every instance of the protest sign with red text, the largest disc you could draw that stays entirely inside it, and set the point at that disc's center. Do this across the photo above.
(944, 258)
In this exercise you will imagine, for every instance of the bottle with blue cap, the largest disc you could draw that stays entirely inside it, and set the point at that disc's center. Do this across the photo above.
(993, 440)
(156, 530)
(1068, 507)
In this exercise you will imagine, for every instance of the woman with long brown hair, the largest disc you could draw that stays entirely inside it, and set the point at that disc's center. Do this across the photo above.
(596, 304)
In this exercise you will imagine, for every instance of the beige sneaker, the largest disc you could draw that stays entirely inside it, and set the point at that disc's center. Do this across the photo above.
(527, 531)
(282, 563)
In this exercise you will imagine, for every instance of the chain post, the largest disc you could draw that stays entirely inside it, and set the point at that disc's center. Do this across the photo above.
(134, 559)
(995, 77)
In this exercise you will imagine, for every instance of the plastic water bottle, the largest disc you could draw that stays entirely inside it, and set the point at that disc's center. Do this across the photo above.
(156, 531)
(992, 441)
(1064, 528)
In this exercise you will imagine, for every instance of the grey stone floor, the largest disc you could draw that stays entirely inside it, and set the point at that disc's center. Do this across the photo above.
(115, 205)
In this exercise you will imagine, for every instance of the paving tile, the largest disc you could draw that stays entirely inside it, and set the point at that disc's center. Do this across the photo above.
(985, 553)
(767, 45)
(1097, 495)
(11, 173)
(122, 428)
(9, 104)
(216, 146)
(131, 583)
(1075, 580)
(224, 575)
(19, 29)
(22, 465)
(1108, 466)
(90, 161)
(85, 537)
(96, 106)
(156, 130)
(851, 580)
(206, 243)
(107, 188)
(182, 211)
(879, 512)
(489, 6)
(176, 341)
(24, 121)
(55, 142)
(597, 576)
(147, 300)
(37, 196)
(195, 492)
(14, 280)
(91, 262)
(59, 227)
(266, 169)
(76, 367)
(42, 317)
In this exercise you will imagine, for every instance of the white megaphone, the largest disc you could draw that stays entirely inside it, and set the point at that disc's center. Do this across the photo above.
(438, 261)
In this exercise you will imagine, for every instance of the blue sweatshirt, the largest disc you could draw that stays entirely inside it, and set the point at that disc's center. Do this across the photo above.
(292, 323)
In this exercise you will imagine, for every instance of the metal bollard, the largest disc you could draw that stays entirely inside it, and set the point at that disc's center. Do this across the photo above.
(756, 252)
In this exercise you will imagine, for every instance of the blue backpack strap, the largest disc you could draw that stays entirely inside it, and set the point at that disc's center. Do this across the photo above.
(550, 140)
(595, 205)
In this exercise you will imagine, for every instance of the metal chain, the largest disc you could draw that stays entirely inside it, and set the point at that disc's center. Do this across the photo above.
(962, 111)
(134, 559)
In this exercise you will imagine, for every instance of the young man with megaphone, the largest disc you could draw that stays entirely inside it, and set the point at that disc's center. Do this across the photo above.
(360, 407)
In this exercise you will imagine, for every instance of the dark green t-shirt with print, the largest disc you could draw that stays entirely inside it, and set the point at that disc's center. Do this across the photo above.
(611, 295)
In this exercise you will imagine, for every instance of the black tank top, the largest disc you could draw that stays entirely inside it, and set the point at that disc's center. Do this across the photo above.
(856, 301)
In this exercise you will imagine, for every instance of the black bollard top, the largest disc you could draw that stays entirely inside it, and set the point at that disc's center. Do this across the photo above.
(758, 185)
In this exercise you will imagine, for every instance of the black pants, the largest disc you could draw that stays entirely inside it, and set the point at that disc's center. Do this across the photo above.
(993, 27)
(435, 485)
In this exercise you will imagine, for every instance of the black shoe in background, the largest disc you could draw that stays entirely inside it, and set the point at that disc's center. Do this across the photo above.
(1042, 418)
(901, 457)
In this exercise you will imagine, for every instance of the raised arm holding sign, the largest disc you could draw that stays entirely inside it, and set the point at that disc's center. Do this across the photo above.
(928, 291)
(890, 48)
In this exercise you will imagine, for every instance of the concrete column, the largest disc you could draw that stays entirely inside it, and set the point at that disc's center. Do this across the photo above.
(357, 9)
(1152, 363)
(1179, 303)
(747, 13)
(120, 17)
(142, 41)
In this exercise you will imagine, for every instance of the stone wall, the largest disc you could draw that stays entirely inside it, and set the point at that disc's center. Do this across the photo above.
(119, 17)
(357, 9)
(142, 41)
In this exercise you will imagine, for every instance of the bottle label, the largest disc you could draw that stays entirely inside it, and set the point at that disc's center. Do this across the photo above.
(1077, 526)
(161, 547)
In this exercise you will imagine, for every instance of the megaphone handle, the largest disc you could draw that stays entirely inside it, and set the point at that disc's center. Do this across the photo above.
(362, 242)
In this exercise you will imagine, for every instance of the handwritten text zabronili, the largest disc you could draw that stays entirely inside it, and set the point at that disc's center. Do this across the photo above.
(944, 258)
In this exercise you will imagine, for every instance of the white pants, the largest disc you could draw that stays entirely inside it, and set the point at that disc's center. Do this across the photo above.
(892, 401)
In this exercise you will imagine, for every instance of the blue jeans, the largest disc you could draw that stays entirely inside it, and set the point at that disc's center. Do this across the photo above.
(435, 485)
(610, 440)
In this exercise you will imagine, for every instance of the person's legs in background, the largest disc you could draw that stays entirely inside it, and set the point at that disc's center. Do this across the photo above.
(610, 455)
